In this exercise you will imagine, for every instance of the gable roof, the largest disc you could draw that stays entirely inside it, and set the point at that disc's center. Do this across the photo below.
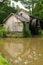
(22, 18)
(36, 17)
(10, 16)
(7, 17)
(24, 11)
(17, 16)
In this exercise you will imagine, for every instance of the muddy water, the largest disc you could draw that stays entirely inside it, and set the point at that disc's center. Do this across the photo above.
(22, 51)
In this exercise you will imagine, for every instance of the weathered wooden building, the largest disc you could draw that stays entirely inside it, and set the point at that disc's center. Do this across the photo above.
(14, 22)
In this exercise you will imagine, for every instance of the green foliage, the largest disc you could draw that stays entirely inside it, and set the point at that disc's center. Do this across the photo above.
(38, 10)
(29, 4)
(2, 32)
(15, 0)
(26, 32)
(35, 5)
(3, 61)
(5, 11)
(41, 32)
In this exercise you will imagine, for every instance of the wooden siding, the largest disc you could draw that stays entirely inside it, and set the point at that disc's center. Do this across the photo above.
(13, 24)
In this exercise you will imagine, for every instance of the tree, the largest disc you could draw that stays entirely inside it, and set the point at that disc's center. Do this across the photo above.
(2, 2)
(5, 10)
(38, 11)
(29, 4)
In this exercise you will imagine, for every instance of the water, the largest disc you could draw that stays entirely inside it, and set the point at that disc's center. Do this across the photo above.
(22, 51)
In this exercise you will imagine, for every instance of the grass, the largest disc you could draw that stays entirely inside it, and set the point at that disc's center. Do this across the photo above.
(3, 61)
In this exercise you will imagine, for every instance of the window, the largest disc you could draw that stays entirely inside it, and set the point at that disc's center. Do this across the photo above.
(21, 14)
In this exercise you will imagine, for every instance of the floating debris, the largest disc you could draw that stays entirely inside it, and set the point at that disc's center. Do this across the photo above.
(26, 62)
(16, 61)
(30, 56)
(19, 58)
(35, 58)
(34, 52)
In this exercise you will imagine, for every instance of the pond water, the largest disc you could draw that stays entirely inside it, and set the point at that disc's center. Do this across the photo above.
(22, 51)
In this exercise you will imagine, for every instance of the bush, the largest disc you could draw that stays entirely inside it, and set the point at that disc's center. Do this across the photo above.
(41, 32)
(2, 32)
(26, 32)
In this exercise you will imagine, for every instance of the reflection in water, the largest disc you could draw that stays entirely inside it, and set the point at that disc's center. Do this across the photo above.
(23, 51)
(14, 49)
